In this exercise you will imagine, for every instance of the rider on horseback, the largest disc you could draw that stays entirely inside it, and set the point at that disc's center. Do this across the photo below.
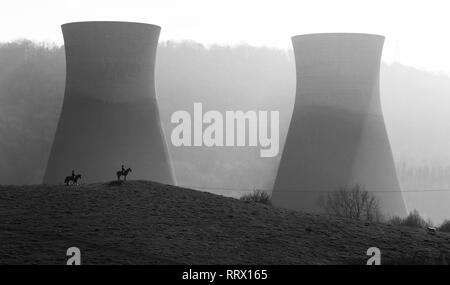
(123, 172)
(72, 178)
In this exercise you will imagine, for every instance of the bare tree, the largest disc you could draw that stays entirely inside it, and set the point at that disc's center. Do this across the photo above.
(354, 203)
(257, 196)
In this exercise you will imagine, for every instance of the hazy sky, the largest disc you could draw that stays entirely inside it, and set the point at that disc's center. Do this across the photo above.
(417, 31)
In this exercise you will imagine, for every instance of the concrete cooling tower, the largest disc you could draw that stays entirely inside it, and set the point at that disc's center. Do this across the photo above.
(337, 136)
(110, 113)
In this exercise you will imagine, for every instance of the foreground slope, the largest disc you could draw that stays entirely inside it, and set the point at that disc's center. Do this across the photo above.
(142, 222)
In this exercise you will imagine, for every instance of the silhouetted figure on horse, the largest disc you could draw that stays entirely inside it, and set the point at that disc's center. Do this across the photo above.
(72, 179)
(123, 172)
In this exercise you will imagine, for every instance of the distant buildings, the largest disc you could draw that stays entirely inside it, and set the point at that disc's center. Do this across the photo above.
(110, 113)
(337, 135)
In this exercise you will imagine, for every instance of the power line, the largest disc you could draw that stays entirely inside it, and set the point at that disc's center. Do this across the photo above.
(312, 191)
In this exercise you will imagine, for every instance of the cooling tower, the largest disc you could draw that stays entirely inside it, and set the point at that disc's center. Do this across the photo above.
(110, 113)
(337, 136)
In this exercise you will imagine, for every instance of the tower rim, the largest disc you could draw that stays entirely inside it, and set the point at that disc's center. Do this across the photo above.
(362, 35)
(109, 22)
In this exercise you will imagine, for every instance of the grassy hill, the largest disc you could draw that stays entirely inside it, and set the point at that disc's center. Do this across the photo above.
(143, 222)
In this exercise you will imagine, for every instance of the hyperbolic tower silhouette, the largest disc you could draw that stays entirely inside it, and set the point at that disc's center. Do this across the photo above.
(337, 136)
(110, 113)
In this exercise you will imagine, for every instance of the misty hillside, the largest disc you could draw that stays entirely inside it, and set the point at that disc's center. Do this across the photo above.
(415, 103)
(142, 222)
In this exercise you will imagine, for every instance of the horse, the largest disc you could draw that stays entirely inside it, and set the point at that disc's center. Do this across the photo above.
(123, 173)
(73, 179)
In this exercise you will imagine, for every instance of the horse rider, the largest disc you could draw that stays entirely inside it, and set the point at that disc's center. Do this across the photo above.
(73, 174)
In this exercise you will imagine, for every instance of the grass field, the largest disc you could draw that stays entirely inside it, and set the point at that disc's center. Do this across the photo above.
(141, 222)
